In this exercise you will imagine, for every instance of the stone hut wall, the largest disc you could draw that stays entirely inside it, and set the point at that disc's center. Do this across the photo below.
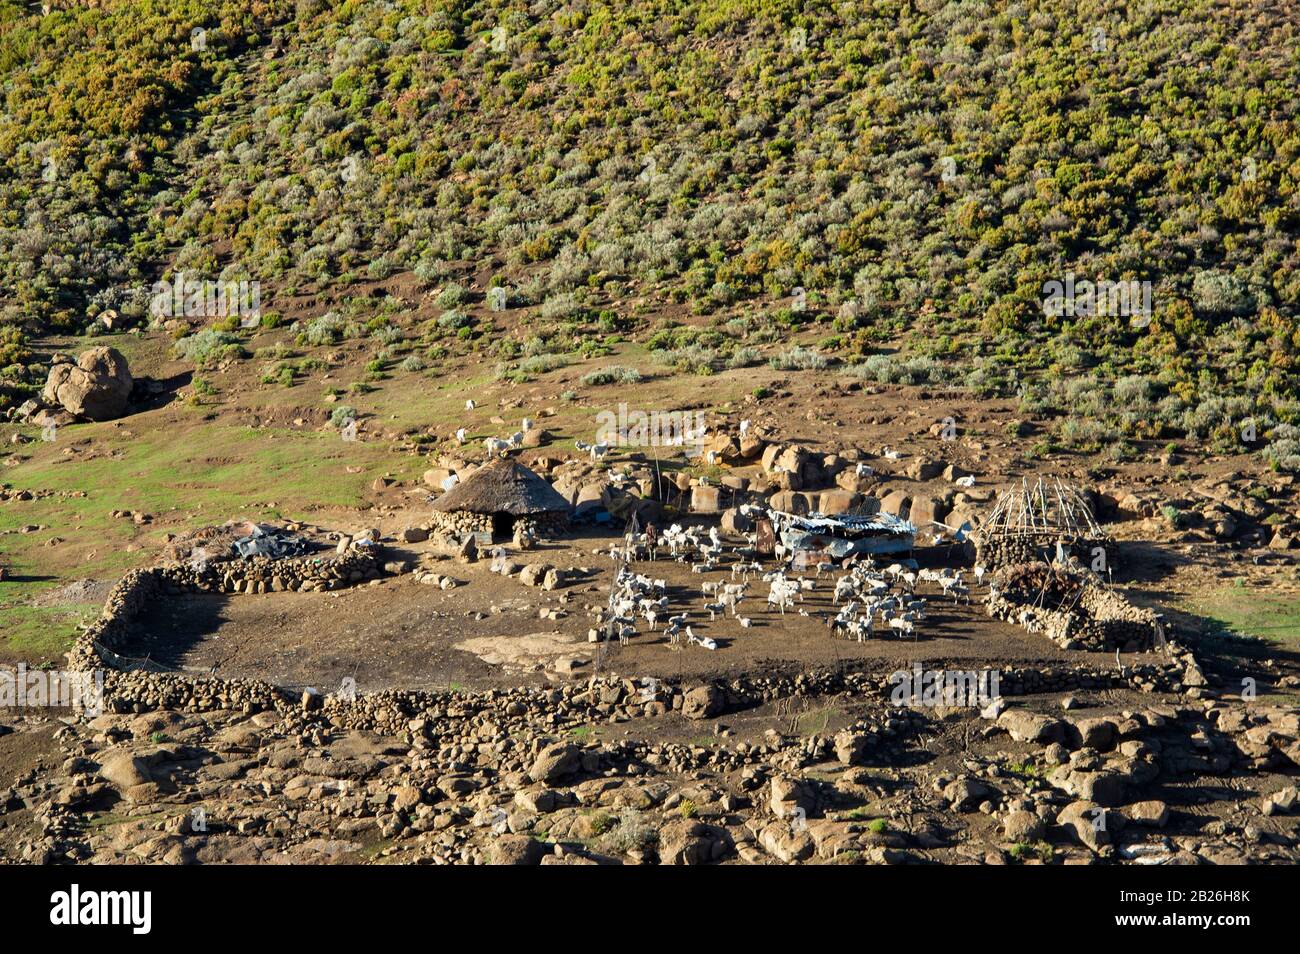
(1005, 549)
(461, 523)
(1100, 621)
(545, 524)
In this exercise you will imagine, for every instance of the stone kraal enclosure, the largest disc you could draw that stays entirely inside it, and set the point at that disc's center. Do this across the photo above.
(131, 687)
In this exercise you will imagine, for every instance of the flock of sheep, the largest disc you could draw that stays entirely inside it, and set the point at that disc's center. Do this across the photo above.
(870, 599)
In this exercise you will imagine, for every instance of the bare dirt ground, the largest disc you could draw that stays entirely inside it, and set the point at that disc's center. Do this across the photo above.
(487, 632)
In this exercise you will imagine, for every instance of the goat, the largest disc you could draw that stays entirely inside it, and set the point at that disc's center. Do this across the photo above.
(705, 641)
(902, 624)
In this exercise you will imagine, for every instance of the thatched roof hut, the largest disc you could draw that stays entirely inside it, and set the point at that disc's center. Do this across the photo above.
(499, 495)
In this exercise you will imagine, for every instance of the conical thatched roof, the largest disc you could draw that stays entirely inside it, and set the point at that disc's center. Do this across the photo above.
(502, 486)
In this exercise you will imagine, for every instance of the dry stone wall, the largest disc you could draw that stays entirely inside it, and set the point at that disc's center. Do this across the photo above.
(106, 645)
(462, 523)
(994, 551)
(106, 642)
(1072, 610)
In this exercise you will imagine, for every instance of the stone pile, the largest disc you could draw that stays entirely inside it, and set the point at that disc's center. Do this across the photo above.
(498, 777)
(1072, 609)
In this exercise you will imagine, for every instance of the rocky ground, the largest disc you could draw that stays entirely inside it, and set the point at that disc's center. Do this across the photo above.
(779, 747)
(799, 769)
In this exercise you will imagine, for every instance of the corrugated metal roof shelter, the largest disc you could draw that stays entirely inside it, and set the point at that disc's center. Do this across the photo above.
(846, 535)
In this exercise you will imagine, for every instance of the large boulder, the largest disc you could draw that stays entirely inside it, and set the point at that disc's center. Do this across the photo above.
(832, 503)
(791, 797)
(96, 388)
(555, 761)
(896, 502)
(1025, 726)
(790, 501)
(1086, 822)
(705, 499)
(703, 702)
(125, 770)
(689, 841)
(926, 511)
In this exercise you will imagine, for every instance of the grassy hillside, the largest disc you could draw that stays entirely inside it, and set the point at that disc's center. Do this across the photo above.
(675, 172)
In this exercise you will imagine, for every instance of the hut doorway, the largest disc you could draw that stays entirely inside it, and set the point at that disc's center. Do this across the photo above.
(503, 526)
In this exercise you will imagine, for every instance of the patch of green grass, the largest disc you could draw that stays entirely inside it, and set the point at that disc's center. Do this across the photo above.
(41, 634)
(1042, 850)
(1244, 609)
(1028, 770)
